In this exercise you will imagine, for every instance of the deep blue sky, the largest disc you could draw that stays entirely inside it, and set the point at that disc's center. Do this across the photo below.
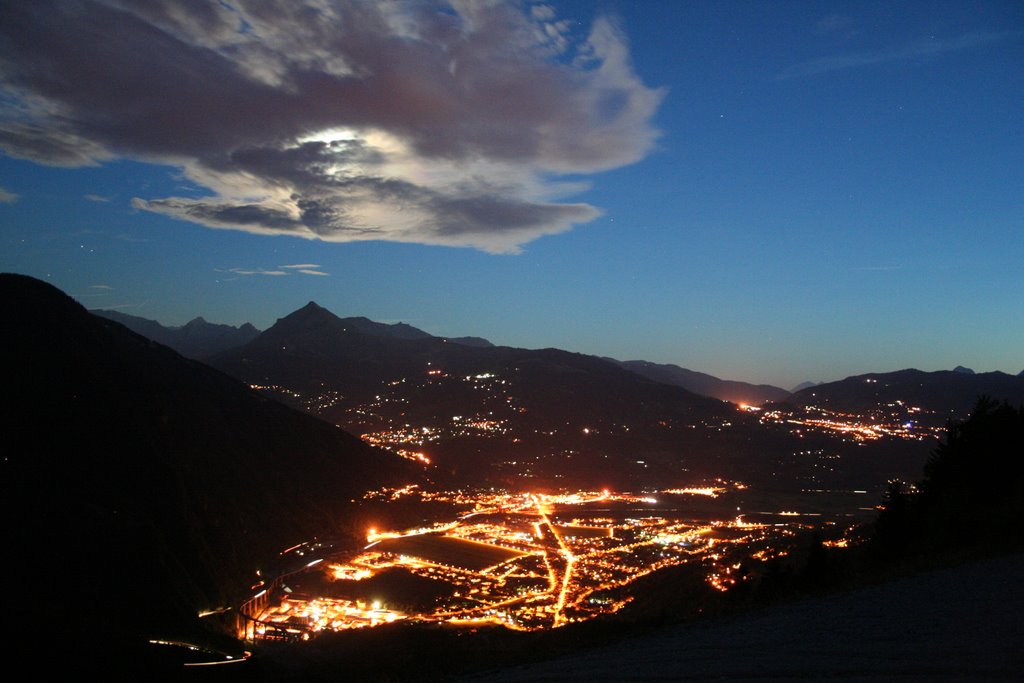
(832, 189)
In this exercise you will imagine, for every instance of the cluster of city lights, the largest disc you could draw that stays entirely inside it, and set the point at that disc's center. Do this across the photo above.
(526, 561)
(891, 420)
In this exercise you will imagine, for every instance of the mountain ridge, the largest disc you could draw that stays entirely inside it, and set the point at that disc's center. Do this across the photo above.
(200, 339)
(556, 408)
(950, 392)
(230, 338)
(707, 385)
(196, 339)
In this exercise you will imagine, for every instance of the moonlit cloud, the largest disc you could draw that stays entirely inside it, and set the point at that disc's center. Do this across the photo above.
(461, 123)
(7, 197)
(921, 49)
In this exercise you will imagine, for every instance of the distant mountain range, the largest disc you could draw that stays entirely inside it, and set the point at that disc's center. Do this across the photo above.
(140, 487)
(200, 339)
(951, 393)
(546, 408)
(372, 378)
(541, 418)
(196, 339)
(553, 407)
(377, 378)
(705, 384)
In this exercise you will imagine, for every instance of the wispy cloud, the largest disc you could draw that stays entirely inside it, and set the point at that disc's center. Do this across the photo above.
(255, 271)
(97, 198)
(432, 122)
(280, 271)
(7, 197)
(920, 49)
(100, 287)
(306, 269)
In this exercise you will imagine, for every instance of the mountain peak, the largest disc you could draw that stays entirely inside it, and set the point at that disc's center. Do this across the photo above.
(312, 316)
(963, 370)
(310, 310)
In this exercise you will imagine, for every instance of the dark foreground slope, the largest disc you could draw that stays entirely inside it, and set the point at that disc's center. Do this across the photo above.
(139, 487)
(949, 625)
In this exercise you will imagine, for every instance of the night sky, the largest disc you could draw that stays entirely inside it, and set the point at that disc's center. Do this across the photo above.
(772, 192)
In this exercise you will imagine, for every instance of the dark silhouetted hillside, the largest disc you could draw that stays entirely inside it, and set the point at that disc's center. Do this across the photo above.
(550, 417)
(139, 487)
(312, 347)
(565, 413)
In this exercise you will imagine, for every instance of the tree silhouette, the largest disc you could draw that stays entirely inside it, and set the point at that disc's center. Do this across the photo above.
(972, 494)
(891, 528)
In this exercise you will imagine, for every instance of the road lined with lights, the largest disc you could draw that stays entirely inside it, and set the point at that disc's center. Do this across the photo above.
(526, 561)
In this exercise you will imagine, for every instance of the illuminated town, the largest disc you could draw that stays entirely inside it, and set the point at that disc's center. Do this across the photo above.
(894, 419)
(532, 561)
(525, 561)
(492, 410)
